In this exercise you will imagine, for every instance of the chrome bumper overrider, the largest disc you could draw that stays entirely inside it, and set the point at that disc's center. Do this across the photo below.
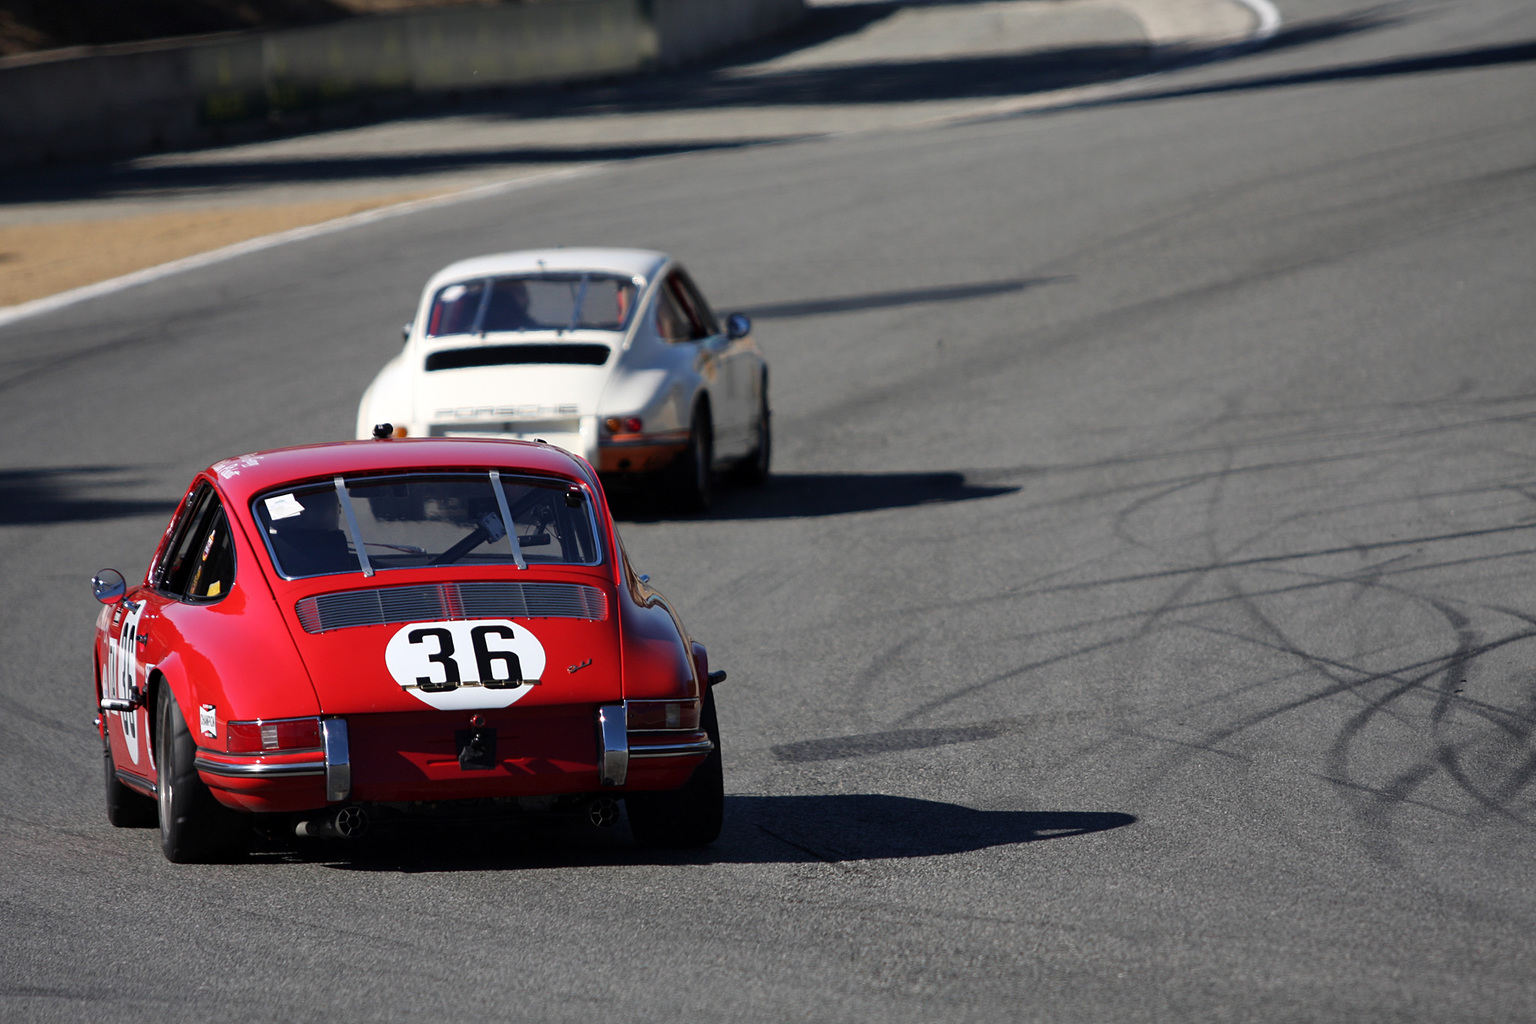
(612, 745)
(338, 759)
(615, 751)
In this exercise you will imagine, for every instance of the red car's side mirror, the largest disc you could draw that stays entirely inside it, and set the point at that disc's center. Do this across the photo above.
(109, 586)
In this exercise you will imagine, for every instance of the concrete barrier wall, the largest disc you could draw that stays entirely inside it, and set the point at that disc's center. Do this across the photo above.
(113, 101)
(689, 30)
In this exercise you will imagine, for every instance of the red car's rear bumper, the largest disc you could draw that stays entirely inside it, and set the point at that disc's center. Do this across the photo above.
(414, 756)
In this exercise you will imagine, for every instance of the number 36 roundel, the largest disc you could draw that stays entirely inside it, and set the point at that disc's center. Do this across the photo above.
(479, 663)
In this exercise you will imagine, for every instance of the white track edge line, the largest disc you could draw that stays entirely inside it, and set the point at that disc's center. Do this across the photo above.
(1269, 22)
(60, 300)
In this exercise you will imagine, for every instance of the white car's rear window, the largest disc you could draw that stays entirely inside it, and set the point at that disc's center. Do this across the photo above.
(545, 302)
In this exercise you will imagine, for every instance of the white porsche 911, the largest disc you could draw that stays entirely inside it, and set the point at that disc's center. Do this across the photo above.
(612, 354)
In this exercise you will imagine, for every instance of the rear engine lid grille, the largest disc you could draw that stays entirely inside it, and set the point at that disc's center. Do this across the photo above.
(435, 601)
(570, 354)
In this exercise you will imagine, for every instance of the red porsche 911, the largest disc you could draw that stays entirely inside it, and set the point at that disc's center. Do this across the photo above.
(343, 633)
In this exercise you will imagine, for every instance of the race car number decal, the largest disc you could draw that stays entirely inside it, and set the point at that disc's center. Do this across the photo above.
(478, 663)
(118, 677)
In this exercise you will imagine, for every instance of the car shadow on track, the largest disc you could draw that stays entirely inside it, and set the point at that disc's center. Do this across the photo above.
(872, 826)
(830, 828)
(802, 495)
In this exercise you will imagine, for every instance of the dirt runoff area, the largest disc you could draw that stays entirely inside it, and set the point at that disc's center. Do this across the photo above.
(43, 253)
(43, 258)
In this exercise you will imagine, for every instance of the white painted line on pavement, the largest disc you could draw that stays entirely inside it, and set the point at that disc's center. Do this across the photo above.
(50, 303)
(1269, 22)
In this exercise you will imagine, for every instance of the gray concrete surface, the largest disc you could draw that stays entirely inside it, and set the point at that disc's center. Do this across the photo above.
(1025, 53)
(1137, 628)
(120, 100)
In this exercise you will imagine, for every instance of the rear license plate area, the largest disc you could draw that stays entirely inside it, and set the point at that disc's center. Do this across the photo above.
(477, 748)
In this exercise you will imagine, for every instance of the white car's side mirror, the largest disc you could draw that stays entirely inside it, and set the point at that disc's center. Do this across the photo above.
(405, 331)
(738, 325)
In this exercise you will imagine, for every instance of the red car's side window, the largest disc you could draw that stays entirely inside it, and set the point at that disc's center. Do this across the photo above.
(200, 559)
(213, 570)
(173, 562)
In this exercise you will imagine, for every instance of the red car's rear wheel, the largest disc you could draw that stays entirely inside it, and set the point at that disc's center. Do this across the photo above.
(686, 817)
(194, 827)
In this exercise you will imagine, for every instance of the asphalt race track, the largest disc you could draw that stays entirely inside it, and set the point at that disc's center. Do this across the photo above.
(1140, 626)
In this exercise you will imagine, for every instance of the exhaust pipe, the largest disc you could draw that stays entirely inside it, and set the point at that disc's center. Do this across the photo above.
(603, 812)
(343, 823)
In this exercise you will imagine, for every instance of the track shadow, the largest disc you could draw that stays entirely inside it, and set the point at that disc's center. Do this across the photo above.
(875, 826)
(758, 830)
(88, 182)
(894, 299)
(808, 495)
(1452, 60)
(64, 495)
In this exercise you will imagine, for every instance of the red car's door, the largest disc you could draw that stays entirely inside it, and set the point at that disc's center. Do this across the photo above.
(123, 678)
(137, 635)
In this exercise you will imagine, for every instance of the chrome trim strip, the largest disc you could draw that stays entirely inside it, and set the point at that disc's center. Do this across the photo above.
(703, 746)
(247, 771)
(612, 745)
(338, 759)
(357, 535)
(506, 520)
(500, 684)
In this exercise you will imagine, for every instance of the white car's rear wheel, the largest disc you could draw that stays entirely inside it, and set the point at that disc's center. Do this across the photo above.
(693, 483)
(754, 468)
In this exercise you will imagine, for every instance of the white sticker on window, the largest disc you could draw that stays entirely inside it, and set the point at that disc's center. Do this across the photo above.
(283, 506)
(453, 293)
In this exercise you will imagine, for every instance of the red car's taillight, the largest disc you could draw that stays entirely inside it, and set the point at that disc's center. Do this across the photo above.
(645, 715)
(261, 737)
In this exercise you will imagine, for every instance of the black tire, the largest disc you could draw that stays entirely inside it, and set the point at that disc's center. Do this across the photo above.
(753, 470)
(126, 808)
(688, 817)
(194, 827)
(693, 473)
